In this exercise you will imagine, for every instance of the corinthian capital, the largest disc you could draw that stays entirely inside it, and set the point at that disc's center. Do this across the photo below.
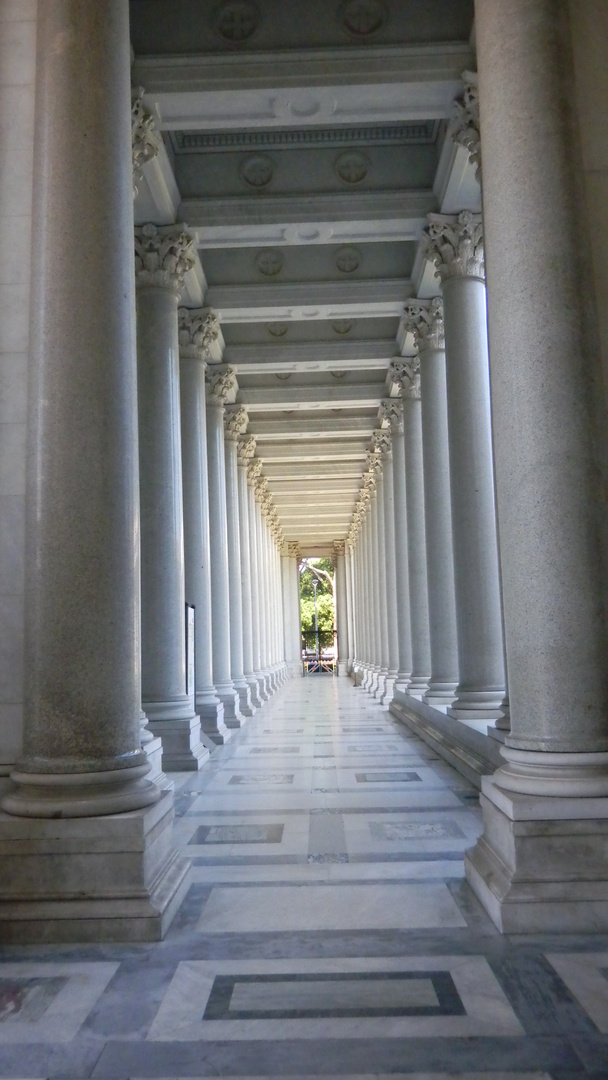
(465, 130)
(221, 383)
(260, 486)
(454, 243)
(406, 375)
(245, 450)
(254, 471)
(382, 442)
(145, 142)
(293, 549)
(197, 332)
(424, 320)
(391, 409)
(339, 548)
(235, 422)
(163, 256)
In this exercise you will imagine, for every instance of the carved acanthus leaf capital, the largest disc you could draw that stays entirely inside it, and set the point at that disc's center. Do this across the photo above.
(293, 549)
(236, 419)
(260, 486)
(391, 409)
(163, 256)
(406, 375)
(145, 141)
(246, 450)
(254, 471)
(454, 243)
(221, 383)
(382, 442)
(266, 500)
(339, 548)
(465, 130)
(424, 320)
(197, 331)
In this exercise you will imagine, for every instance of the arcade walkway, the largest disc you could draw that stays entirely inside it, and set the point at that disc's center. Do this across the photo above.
(327, 931)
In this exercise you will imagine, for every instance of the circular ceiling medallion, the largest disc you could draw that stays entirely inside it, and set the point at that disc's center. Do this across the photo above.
(257, 171)
(351, 167)
(236, 21)
(269, 263)
(347, 260)
(277, 329)
(342, 326)
(362, 18)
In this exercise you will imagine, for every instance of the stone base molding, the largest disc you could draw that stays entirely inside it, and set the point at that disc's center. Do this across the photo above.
(113, 878)
(540, 865)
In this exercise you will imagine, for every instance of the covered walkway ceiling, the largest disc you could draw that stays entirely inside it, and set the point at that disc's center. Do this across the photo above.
(304, 145)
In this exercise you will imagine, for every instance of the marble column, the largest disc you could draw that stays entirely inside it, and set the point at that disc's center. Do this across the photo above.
(292, 621)
(392, 410)
(406, 375)
(374, 574)
(254, 470)
(245, 452)
(455, 245)
(260, 493)
(82, 756)
(350, 607)
(540, 864)
(197, 330)
(162, 257)
(235, 425)
(381, 441)
(341, 606)
(424, 320)
(390, 565)
(369, 480)
(220, 386)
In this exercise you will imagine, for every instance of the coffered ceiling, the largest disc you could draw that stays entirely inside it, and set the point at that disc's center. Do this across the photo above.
(304, 143)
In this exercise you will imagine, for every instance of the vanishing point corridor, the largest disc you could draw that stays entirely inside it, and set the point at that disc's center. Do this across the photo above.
(327, 930)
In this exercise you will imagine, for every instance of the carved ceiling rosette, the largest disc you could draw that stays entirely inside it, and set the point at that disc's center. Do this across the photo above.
(236, 419)
(221, 383)
(391, 410)
(405, 374)
(163, 256)
(465, 130)
(246, 449)
(197, 330)
(424, 320)
(145, 142)
(454, 243)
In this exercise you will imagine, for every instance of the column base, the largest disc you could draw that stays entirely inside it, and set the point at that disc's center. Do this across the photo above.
(153, 747)
(389, 689)
(254, 691)
(477, 705)
(115, 878)
(183, 750)
(380, 685)
(342, 668)
(245, 705)
(418, 687)
(212, 722)
(263, 693)
(540, 865)
(232, 715)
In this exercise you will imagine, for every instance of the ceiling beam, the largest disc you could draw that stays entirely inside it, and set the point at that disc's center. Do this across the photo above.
(335, 450)
(310, 356)
(335, 427)
(309, 300)
(306, 398)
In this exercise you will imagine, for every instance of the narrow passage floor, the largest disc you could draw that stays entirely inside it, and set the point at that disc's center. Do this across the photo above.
(328, 931)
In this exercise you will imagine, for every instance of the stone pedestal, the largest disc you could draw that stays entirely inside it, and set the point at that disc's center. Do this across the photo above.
(115, 878)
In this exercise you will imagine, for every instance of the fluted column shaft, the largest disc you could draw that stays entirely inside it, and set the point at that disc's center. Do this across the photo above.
(235, 425)
(82, 658)
(341, 606)
(390, 568)
(350, 607)
(393, 411)
(220, 382)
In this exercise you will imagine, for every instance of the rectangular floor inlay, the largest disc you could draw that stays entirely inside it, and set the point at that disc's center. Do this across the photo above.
(329, 907)
(262, 778)
(283, 997)
(359, 997)
(238, 834)
(386, 778)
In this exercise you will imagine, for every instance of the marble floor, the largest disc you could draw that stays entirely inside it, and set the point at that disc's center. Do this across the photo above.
(327, 931)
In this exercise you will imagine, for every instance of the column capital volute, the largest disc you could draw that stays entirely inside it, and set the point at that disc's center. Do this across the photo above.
(145, 140)
(221, 383)
(236, 419)
(245, 449)
(197, 330)
(424, 320)
(405, 375)
(391, 410)
(465, 129)
(163, 256)
(454, 244)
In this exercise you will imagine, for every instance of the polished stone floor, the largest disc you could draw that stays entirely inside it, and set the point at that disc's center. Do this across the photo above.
(327, 931)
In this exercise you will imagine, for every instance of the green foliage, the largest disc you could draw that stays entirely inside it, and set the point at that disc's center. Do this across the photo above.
(307, 577)
(325, 605)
